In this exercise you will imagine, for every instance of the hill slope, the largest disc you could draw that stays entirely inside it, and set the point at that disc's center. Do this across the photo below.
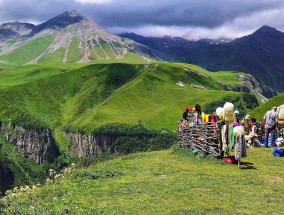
(97, 94)
(259, 54)
(72, 99)
(276, 101)
(161, 182)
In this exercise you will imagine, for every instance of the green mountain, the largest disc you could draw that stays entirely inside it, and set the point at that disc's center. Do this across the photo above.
(68, 38)
(54, 113)
(87, 96)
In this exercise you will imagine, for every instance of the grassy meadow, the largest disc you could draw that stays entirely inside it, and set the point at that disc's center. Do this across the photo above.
(161, 182)
(86, 96)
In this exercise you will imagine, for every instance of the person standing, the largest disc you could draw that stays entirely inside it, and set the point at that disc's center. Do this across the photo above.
(271, 124)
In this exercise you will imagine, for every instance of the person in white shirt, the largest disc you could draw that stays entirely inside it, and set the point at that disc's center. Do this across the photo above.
(271, 124)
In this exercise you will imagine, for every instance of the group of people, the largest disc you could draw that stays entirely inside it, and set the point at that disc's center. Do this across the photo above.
(194, 115)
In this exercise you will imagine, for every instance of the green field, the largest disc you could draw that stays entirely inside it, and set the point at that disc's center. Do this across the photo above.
(161, 182)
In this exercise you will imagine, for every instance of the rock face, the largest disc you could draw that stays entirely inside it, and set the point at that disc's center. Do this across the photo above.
(88, 144)
(14, 29)
(35, 144)
(39, 144)
(251, 85)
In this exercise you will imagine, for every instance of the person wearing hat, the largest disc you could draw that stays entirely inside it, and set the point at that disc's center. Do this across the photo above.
(271, 124)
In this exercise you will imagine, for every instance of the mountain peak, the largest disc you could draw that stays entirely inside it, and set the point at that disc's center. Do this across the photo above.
(72, 13)
(61, 21)
(266, 28)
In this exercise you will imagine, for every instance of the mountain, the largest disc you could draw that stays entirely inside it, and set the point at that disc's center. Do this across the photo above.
(14, 29)
(260, 54)
(60, 22)
(175, 48)
(69, 38)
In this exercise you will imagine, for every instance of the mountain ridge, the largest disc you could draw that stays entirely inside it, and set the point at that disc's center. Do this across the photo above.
(72, 38)
(260, 54)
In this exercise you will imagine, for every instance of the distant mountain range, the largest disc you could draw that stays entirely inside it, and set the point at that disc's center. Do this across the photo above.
(66, 38)
(260, 54)
(72, 38)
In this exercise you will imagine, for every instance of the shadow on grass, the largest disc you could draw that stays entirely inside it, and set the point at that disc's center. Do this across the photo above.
(247, 165)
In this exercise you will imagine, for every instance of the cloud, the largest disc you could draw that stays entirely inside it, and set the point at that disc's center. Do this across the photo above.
(94, 1)
(195, 18)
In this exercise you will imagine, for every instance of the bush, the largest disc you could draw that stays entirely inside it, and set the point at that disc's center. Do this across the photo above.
(244, 103)
(131, 139)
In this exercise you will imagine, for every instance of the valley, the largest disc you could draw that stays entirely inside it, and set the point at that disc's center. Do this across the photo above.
(88, 119)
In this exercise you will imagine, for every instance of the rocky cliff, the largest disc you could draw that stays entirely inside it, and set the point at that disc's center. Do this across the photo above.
(35, 144)
(39, 144)
(88, 144)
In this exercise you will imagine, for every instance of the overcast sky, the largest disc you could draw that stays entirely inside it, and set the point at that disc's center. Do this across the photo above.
(194, 19)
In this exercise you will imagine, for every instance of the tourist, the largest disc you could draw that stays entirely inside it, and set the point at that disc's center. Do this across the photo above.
(185, 114)
(271, 125)
(198, 113)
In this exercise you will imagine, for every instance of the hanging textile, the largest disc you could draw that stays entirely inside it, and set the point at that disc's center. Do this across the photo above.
(231, 138)
(240, 147)
(225, 140)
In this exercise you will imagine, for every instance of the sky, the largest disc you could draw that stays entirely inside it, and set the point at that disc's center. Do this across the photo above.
(192, 19)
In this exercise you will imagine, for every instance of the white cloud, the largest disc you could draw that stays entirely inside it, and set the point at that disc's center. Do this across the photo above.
(188, 32)
(93, 1)
(232, 29)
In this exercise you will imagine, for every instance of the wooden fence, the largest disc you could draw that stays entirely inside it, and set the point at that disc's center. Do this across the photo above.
(205, 138)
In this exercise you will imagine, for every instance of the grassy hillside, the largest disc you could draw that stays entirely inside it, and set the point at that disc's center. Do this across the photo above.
(28, 51)
(161, 182)
(155, 98)
(276, 101)
(88, 96)
(60, 96)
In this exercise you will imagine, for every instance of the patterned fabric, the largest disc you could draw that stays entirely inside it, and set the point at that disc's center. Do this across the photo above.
(240, 147)
(231, 138)
(224, 145)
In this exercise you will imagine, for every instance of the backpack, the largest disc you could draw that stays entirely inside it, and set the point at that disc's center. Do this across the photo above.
(278, 152)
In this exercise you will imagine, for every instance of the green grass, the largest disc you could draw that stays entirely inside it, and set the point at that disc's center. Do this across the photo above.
(259, 112)
(155, 98)
(89, 95)
(54, 57)
(28, 51)
(225, 77)
(14, 76)
(74, 53)
(163, 182)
